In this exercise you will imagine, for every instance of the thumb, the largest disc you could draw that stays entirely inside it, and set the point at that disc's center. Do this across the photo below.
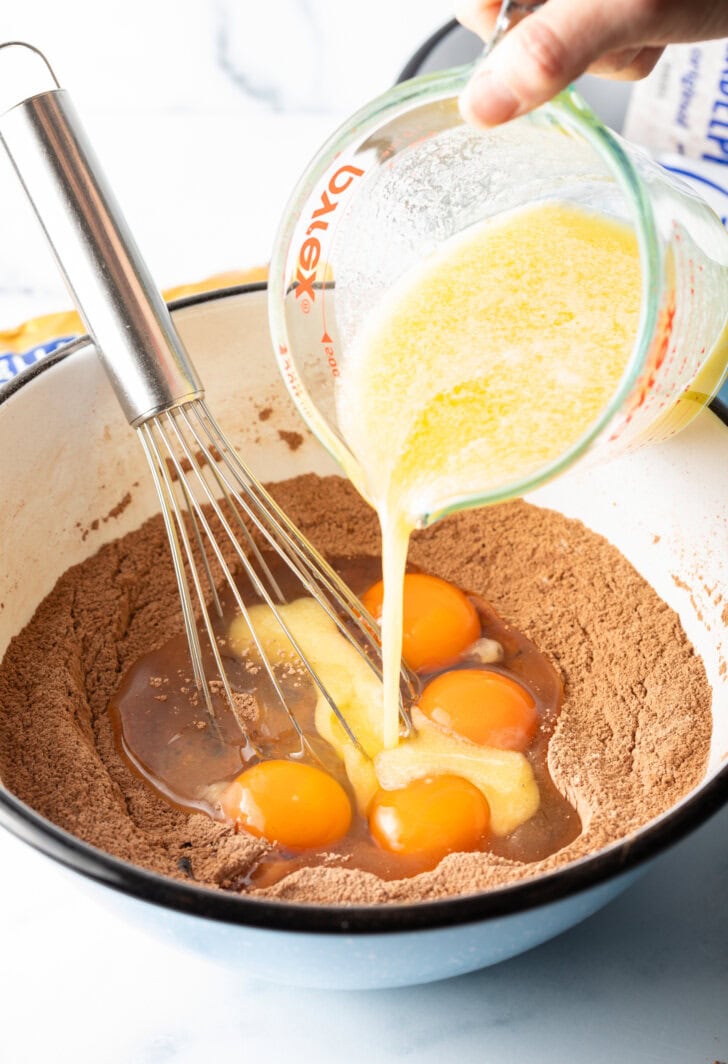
(538, 58)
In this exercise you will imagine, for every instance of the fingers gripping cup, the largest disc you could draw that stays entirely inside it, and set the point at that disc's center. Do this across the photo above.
(401, 186)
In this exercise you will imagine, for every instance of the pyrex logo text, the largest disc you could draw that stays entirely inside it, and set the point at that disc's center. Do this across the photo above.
(310, 250)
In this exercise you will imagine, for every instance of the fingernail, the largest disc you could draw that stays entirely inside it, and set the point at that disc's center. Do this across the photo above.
(488, 100)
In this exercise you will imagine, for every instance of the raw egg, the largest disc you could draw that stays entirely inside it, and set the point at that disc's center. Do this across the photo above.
(483, 706)
(430, 817)
(292, 803)
(439, 620)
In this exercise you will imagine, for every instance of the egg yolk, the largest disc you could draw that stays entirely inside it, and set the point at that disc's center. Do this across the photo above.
(483, 706)
(292, 803)
(430, 817)
(439, 620)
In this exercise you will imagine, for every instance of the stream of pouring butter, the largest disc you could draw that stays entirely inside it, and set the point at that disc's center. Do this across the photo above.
(395, 544)
(484, 363)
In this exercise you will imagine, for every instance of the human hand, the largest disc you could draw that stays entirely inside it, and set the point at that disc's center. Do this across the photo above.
(564, 38)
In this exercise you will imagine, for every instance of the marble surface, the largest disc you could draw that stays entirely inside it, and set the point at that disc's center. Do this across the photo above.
(204, 113)
(645, 981)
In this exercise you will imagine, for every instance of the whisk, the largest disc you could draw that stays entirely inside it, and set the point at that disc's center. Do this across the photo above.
(202, 484)
(510, 13)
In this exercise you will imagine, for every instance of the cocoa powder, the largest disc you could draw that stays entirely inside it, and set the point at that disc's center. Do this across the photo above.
(631, 740)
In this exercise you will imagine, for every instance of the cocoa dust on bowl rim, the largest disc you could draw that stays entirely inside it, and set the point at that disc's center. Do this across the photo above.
(325, 946)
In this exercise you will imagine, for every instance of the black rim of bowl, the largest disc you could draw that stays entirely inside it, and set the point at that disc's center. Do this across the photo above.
(224, 907)
(413, 66)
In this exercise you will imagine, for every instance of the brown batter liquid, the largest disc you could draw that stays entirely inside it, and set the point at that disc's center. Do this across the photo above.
(165, 732)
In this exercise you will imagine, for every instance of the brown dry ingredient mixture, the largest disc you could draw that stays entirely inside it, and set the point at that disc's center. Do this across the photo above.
(292, 440)
(631, 740)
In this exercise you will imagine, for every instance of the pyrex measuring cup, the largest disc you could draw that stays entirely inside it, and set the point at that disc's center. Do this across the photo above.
(406, 174)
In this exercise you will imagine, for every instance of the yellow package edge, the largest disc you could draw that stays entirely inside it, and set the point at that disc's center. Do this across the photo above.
(26, 343)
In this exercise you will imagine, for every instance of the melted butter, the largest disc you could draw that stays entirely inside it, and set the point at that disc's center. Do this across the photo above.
(480, 367)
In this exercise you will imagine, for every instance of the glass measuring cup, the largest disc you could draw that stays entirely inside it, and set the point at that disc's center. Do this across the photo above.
(406, 174)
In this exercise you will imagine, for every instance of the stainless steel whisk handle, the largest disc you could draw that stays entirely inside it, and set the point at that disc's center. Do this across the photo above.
(103, 267)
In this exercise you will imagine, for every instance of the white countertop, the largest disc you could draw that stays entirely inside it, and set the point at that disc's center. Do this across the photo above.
(204, 112)
(644, 981)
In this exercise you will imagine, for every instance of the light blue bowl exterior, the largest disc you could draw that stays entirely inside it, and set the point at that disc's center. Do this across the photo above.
(362, 961)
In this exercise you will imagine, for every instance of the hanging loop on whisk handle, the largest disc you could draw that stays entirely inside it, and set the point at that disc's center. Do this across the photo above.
(93, 246)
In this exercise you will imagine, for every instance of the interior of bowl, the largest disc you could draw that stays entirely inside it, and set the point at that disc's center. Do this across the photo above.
(79, 479)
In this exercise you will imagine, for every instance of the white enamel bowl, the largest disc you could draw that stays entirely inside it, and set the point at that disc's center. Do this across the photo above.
(70, 457)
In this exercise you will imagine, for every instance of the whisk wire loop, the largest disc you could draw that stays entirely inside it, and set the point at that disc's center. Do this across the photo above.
(196, 517)
(175, 458)
(271, 522)
(167, 504)
(197, 514)
(189, 506)
(317, 577)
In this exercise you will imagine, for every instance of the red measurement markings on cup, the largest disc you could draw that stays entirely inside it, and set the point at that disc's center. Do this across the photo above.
(330, 354)
(289, 371)
(326, 340)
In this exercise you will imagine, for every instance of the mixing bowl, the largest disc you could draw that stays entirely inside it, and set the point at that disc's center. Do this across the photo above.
(74, 458)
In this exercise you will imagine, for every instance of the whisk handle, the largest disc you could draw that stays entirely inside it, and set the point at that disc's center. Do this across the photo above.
(96, 252)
